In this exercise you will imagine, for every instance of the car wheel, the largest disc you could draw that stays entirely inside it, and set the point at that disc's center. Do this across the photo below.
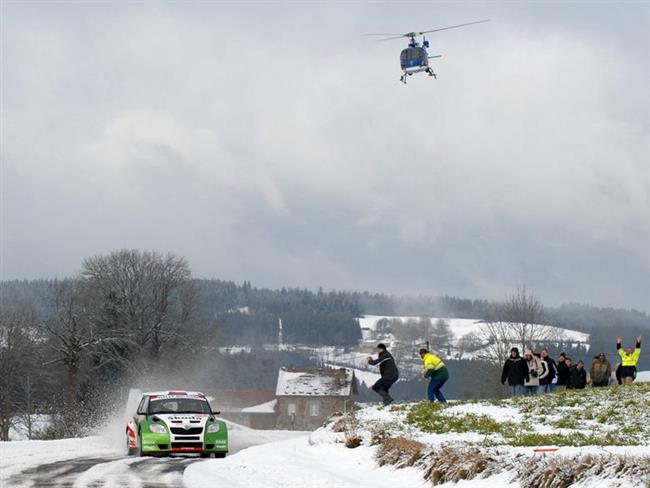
(220, 454)
(205, 454)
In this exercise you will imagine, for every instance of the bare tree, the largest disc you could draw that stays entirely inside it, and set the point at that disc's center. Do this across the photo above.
(469, 343)
(70, 333)
(440, 334)
(142, 293)
(518, 321)
(17, 345)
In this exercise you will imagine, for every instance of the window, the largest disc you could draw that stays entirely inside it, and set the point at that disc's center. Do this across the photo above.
(313, 408)
(291, 409)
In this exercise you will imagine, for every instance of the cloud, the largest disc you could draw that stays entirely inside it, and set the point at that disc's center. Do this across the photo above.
(290, 156)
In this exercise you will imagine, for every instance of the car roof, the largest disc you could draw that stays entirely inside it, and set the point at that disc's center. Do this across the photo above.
(179, 393)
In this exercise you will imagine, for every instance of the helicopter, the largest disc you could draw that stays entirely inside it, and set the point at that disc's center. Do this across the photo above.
(415, 58)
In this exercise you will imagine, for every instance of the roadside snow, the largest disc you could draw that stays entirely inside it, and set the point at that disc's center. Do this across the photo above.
(297, 464)
(16, 456)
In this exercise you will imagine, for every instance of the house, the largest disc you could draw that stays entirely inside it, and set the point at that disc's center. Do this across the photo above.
(306, 397)
(234, 405)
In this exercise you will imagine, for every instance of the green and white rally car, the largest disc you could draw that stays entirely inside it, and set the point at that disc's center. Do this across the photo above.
(169, 422)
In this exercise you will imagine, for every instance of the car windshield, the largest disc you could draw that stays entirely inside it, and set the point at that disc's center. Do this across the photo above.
(179, 405)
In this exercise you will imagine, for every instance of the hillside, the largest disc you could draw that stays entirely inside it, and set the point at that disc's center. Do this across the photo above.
(580, 439)
(588, 436)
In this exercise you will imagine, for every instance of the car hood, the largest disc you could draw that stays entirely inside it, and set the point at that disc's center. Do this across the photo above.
(184, 420)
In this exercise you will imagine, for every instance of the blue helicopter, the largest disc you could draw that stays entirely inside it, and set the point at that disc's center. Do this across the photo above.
(415, 58)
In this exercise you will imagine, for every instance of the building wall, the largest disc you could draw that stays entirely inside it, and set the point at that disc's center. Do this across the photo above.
(304, 418)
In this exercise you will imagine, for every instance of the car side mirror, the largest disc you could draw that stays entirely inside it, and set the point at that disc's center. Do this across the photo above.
(140, 412)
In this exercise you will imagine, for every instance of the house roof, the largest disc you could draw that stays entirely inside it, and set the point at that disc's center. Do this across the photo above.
(316, 382)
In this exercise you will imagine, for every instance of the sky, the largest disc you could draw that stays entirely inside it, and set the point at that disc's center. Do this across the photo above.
(273, 142)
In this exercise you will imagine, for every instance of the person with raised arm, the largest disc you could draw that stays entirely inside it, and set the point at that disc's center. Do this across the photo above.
(629, 360)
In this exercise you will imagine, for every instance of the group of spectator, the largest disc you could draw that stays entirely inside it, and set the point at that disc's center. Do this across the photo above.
(540, 373)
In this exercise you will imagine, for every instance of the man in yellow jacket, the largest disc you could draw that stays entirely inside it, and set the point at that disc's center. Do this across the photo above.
(437, 372)
(629, 359)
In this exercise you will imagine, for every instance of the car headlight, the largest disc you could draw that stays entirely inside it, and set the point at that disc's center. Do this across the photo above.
(214, 428)
(157, 428)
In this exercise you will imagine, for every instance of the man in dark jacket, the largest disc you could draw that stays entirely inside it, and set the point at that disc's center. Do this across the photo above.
(515, 370)
(562, 371)
(547, 383)
(577, 375)
(388, 371)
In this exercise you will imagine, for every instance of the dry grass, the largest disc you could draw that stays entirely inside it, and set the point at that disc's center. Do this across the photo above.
(348, 424)
(562, 472)
(400, 452)
(352, 441)
(448, 464)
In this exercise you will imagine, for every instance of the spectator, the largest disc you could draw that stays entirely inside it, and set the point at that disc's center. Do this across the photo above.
(562, 371)
(577, 375)
(601, 371)
(387, 370)
(543, 375)
(515, 371)
(629, 360)
(547, 384)
(534, 372)
(437, 372)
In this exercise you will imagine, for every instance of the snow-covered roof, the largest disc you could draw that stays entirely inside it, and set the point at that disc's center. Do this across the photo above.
(315, 382)
(268, 407)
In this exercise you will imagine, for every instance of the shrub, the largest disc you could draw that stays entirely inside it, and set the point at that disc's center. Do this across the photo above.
(400, 452)
(453, 465)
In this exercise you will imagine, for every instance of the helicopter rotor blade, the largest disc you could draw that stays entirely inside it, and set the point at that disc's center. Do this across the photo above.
(454, 26)
(393, 38)
(436, 56)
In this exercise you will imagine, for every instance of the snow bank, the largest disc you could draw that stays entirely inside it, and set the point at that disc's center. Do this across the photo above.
(297, 464)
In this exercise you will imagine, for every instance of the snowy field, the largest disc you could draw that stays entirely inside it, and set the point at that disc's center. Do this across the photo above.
(462, 327)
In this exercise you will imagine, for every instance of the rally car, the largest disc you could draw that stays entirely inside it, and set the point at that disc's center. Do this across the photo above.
(169, 422)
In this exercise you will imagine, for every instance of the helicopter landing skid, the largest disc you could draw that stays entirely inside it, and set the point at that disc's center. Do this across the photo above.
(429, 71)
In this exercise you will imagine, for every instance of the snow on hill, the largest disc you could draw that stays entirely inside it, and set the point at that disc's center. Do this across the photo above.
(461, 327)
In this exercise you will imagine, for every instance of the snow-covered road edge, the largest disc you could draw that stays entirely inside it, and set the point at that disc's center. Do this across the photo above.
(16, 456)
(297, 463)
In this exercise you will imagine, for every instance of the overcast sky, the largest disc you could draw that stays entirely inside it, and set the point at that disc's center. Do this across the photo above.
(274, 143)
